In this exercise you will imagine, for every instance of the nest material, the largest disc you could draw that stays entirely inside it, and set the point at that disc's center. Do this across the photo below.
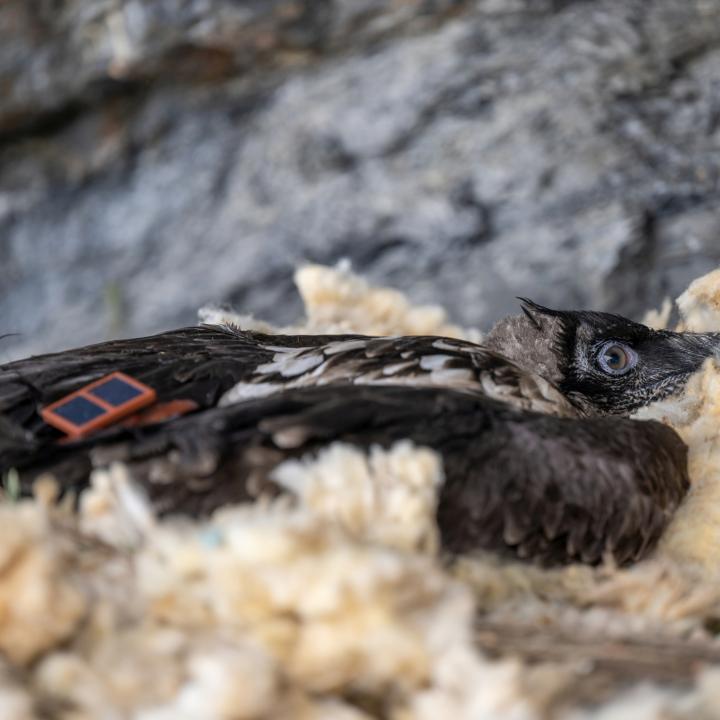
(336, 604)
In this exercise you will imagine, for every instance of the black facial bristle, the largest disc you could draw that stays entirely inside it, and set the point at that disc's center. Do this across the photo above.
(529, 315)
(531, 308)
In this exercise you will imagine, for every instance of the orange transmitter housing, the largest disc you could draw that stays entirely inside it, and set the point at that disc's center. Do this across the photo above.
(100, 403)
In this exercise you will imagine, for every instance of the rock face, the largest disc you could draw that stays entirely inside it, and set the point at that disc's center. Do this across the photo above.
(159, 154)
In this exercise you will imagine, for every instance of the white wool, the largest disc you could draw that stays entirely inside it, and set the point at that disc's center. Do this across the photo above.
(699, 305)
(332, 612)
(114, 509)
(279, 610)
(336, 300)
(694, 533)
(40, 601)
(388, 496)
(229, 683)
(650, 702)
(659, 319)
(640, 703)
(15, 703)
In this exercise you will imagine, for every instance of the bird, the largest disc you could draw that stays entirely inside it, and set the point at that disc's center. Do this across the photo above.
(541, 461)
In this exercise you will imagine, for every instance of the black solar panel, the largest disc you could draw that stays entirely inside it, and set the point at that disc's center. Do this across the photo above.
(79, 410)
(115, 391)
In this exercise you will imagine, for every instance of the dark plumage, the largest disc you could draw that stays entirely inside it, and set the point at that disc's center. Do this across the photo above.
(565, 348)
(553, 486)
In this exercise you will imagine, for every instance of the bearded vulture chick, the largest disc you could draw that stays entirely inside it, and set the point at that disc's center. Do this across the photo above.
(537, 463)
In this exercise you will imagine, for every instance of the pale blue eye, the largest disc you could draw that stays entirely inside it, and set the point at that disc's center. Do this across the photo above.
(616, 358)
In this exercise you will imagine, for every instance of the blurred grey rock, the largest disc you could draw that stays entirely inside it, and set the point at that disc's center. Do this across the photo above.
(156, 155)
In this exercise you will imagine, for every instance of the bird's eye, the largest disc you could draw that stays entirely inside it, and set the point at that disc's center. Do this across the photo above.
(616, 359)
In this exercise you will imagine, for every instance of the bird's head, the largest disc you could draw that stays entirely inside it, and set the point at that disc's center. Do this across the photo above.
(603, 363)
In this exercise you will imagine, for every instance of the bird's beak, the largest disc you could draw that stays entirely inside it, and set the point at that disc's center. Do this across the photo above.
(713, 340)
(700, 346)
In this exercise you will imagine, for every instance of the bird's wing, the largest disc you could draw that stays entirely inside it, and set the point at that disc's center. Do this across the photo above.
(413, 360)
(563, 490)
(195, 363)
(201, 361)
(539, 487)
(211, 365)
